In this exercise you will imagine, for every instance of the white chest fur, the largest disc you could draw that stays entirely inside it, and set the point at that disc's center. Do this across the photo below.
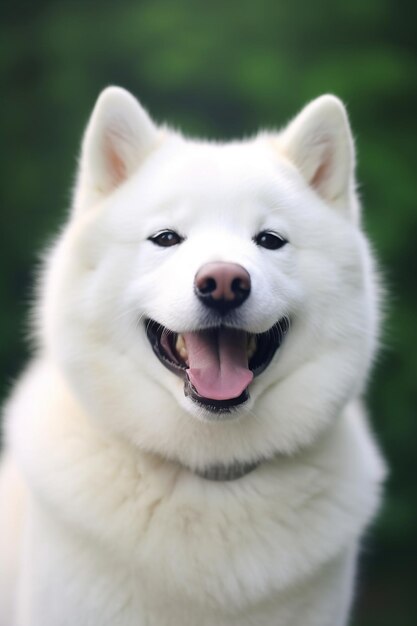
(114, 534)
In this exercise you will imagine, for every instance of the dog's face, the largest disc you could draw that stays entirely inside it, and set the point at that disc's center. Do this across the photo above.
(212, 302)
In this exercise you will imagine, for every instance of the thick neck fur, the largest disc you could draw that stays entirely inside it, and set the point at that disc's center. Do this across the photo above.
(125, 500)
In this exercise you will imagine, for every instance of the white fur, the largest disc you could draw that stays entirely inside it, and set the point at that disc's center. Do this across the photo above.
(102, 519)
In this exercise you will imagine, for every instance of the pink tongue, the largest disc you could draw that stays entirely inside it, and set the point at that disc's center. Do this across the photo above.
(218, 363)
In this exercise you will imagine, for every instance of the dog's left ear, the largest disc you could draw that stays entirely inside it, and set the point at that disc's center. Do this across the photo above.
(319, 143)
(119, 135)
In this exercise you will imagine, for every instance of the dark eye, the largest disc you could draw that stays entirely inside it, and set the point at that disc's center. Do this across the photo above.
(166, 238)
(270, 240)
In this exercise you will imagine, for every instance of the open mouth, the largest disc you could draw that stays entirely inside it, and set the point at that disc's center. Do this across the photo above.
(216, 364)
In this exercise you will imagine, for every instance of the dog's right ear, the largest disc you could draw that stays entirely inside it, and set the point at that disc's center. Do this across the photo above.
(118, 137)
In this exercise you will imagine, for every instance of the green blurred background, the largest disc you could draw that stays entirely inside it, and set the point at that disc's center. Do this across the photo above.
(223, 69)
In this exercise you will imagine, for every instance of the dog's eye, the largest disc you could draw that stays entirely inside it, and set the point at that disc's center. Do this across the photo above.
(166, 238)
(270, 240)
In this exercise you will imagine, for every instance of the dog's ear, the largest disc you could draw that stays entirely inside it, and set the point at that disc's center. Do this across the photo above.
(319, 143)
(118, 137)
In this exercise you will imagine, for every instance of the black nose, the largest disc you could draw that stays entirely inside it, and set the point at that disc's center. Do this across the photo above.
(222, 286)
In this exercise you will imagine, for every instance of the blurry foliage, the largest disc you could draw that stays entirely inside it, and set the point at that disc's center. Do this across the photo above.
(221, 69)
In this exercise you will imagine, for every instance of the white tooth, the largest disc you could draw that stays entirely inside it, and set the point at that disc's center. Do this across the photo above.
(181, 348)
(180, 343)
(251, 348)
(184, 354)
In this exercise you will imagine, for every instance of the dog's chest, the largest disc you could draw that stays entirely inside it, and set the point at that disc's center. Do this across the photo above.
(204, 554)
(66, 581)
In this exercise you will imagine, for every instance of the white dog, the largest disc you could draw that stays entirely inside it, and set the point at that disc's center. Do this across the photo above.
(187, 447)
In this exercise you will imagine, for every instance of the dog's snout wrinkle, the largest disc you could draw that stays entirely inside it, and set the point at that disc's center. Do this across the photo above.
(222, 286)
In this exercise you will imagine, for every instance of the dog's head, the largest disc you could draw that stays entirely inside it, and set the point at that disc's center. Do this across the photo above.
(212, 302)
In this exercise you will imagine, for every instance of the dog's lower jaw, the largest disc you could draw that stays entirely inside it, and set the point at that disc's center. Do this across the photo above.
(219, 409)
